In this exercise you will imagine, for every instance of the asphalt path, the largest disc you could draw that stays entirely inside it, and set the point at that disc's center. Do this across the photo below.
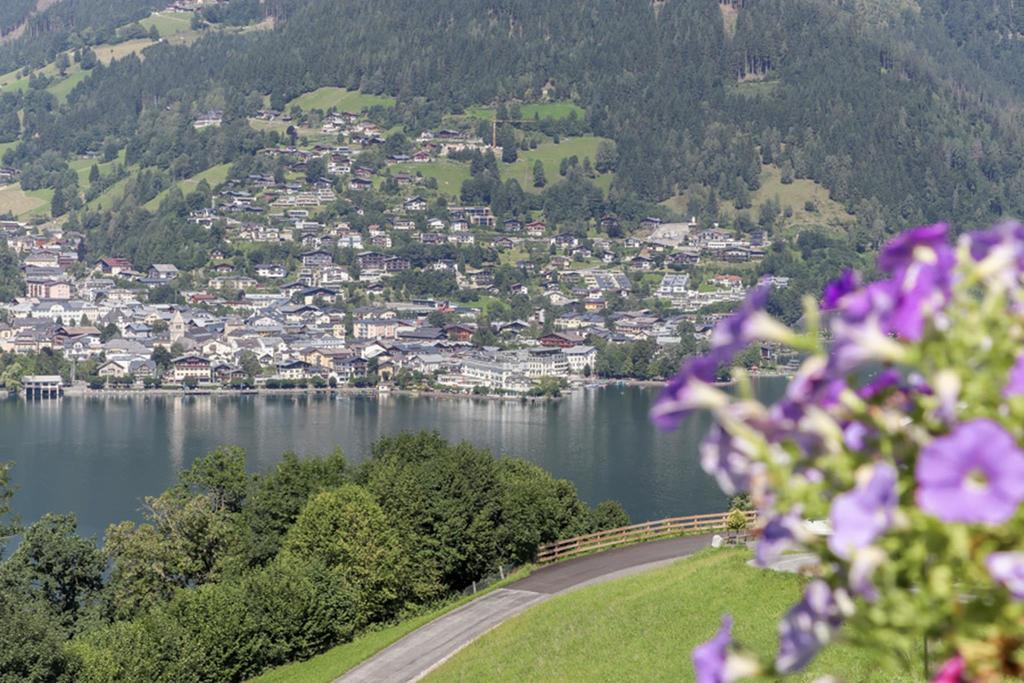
(420, 652)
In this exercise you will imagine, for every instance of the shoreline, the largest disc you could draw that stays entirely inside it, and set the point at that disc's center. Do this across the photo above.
(222, 392)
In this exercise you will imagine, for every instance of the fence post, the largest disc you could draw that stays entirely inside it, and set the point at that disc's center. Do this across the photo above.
(501, 571)
(474, 588)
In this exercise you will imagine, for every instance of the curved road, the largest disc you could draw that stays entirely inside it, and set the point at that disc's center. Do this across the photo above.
(426, 648)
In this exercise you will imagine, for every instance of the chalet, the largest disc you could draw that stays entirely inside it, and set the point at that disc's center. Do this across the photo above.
(563, 340)
(163, 272)
(511, 225)
(371, 261)
(503, 244)
(416, 203)
(322, 293)
(536, 228)
(190, 365)
(295, 370)
(375, 328)
(396, 264)
(317, 258)
(462, 333)
(359, 184)
(270, 271)
(641, 263)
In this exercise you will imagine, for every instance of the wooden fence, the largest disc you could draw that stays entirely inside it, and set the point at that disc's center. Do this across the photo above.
(635, 533)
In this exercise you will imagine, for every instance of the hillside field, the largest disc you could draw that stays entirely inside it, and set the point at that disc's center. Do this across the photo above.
(643, 628)
(340, 99)
(551, 154)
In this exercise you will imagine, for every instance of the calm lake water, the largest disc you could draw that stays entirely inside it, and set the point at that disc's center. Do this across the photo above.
(98, 457)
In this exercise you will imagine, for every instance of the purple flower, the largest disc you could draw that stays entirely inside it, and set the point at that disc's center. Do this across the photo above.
(863, 514)
(855, 435)
(974, 474)
(780, 534)
(983, 242)
(862, 569)
(709, 658)
(1008, 569)
(881, 382)
(721, 457)
(923, 290)
(685, 392)
(1015, 380)
(732, 334)
(848, 282)
(807, 627)
(899, 251)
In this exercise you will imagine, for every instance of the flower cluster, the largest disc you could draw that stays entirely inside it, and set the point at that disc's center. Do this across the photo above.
(903, 429)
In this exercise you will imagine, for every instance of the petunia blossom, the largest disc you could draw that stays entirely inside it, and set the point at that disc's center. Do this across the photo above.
(1007, 568)
(722, 456)
(687, 391)
(1015, 379)
(807, 627)
(861, 515)
(709, 658)
(781, 533)
(848, 282)
(900, 250)
(974, 474)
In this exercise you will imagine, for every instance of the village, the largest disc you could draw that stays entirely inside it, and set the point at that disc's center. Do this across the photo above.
(306, 291)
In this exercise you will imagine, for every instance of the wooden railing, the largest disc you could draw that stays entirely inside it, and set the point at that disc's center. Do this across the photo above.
(635, 533)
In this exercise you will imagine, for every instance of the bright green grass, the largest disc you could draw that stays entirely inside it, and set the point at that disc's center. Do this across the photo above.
(545, 110)
(169, 24)
(642, 628)
(449, 174)
(551, 155)
(794, 196)
(334, 662)
(214, 176)
(112, 193)
(60, 89)
(340, 99)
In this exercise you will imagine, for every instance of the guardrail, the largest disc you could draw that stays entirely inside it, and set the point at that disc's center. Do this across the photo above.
(635, 533)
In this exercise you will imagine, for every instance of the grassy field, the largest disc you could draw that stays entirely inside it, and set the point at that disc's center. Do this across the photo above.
(176, 27)
(340, 99)
(112, 193)
(334, 662)
(642, 628)
(551, 155)
(794, 196)
(214, 176)
(544, 110)
(24, 204)
(449, 174)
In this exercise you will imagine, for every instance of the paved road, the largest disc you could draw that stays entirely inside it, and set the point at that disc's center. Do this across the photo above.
(426, 648)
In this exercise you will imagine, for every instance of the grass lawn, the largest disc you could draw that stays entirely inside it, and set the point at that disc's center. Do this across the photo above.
(214, 175)
(794, 195)
(171, 25)
(642, 628)
(340, 99)
(20, 203)
(449, 174)
(545, 110)
(328, 666)
(551, 155)
(112, 193)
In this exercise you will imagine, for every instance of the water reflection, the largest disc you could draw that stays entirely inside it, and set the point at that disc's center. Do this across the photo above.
(99, 457)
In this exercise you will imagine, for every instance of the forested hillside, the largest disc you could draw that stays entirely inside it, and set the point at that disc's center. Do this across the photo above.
(898, 108)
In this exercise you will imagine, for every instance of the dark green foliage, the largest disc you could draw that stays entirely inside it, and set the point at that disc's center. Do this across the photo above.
(232, 573)
(12, 280)
(54, 566)
(608, 514)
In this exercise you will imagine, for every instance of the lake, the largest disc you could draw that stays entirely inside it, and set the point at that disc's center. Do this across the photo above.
(98, 457)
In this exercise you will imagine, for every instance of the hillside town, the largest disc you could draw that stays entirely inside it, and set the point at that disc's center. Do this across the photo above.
(337, 270)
